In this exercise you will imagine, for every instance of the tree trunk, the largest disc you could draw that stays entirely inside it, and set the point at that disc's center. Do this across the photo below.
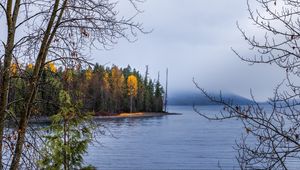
(11, 18)
(131, 96)
(38, 70)
(65, 144)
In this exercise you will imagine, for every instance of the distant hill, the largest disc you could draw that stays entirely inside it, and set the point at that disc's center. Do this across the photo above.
(196, 98)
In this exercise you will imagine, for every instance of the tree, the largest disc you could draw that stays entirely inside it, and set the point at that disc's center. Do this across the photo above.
(69, 136)
(88, 74)
(117, 86)
(11, 12)
(57, 30)
(275, 131)
(106, 90)
(132, 85)
(158, 93)
(150, 96)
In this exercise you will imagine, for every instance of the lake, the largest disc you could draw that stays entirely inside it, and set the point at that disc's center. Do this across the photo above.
(186, 141)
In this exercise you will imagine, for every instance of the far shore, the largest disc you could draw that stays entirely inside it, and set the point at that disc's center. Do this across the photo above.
(45, 119)
(136, 115)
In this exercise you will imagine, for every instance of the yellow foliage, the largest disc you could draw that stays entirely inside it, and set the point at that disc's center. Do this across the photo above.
(106, 81)
(114, 71)
(117, 81)
(122, 80)
(88, 74)
(30, 66)
(68, 75)
(132, 84)
(14, 68)
(52, 67)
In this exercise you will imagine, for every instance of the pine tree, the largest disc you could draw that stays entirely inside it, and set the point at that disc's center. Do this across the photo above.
(69, 136)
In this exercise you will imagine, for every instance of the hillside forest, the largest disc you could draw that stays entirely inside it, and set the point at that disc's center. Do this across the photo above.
(98, 89)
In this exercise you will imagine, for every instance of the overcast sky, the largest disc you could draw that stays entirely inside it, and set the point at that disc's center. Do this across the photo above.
(193, 38)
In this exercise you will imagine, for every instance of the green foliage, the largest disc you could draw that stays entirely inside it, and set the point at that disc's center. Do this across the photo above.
(68, 138)
(158, 101)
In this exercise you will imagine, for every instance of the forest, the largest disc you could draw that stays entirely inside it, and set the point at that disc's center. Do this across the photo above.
(98, 89)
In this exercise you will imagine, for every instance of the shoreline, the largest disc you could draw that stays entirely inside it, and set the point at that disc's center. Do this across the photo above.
(44, 119)
(136, 115)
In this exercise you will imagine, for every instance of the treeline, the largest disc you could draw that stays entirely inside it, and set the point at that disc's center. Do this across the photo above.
(99, 89)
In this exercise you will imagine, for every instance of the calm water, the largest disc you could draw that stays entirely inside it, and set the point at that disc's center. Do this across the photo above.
(186, 141)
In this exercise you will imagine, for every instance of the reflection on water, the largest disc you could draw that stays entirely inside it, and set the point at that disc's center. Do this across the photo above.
(185, 141)
(144, 121)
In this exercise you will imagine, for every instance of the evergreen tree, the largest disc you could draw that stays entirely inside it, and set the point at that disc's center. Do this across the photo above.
(158, 99)
(69, 136)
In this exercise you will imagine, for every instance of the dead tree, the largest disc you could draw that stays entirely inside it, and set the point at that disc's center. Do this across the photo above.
(41, 31)
(274, 128)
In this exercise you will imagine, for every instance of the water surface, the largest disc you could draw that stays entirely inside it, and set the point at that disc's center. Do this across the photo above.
(186, 141)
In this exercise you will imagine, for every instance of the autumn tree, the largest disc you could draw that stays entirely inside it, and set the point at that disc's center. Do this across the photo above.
(117, 85)
(274, 131)
(106, 89)
(88, 74)
(132, 85)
